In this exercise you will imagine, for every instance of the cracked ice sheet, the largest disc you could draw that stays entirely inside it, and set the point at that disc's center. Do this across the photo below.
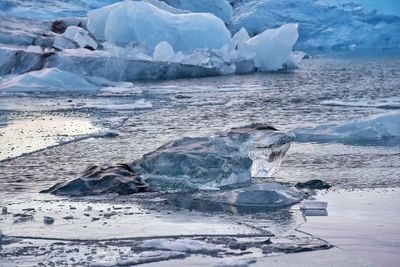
(109, 220)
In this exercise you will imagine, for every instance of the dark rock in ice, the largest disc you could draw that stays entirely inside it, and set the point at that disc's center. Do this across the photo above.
(96, 180)
(22, 217)
(288, 248)
(48, 220)
(189, 164)
(4, 210)
(58, 26)
(313, 184)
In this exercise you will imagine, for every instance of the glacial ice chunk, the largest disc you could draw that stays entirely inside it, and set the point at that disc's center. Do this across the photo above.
(273, 47)
(47, 79)
(163, 52)
(131, 21)
(80, 36)
(384, 126)
(187, 164)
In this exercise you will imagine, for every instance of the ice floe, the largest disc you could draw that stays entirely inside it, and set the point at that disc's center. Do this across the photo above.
(48, 79)
(375, 128)
(190, 164)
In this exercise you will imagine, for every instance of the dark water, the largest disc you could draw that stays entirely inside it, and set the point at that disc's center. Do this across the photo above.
(197, 107)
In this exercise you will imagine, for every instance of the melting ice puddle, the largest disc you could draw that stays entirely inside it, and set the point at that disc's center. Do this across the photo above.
(29, 135)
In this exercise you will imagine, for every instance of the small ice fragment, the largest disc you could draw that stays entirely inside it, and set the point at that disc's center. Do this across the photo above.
(315, 212)
(4, 210)
(314, 205)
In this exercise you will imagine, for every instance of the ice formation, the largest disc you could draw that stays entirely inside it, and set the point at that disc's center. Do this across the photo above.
(189, 164)
(48, 79)
(75, 37)
(273, 47)
(220, 8)
(320, 26)
(269, 195)
(131, 21)
(385, 126)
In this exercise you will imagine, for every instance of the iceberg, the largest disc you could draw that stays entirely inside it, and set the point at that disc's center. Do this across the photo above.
(375, 128)
(273, 47)
(131, 21)
(47, 79)
(188, 164)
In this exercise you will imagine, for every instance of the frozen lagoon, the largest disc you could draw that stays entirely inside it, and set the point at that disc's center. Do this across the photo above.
(199, 107)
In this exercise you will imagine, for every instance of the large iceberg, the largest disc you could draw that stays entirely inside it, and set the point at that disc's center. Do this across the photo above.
(375, 128)
(148, 25)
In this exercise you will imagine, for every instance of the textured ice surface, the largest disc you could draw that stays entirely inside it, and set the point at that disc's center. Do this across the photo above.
(183, 245)
(389, 7)
(220, 8)
(131, 21)
(320, 26)
(384, 126)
